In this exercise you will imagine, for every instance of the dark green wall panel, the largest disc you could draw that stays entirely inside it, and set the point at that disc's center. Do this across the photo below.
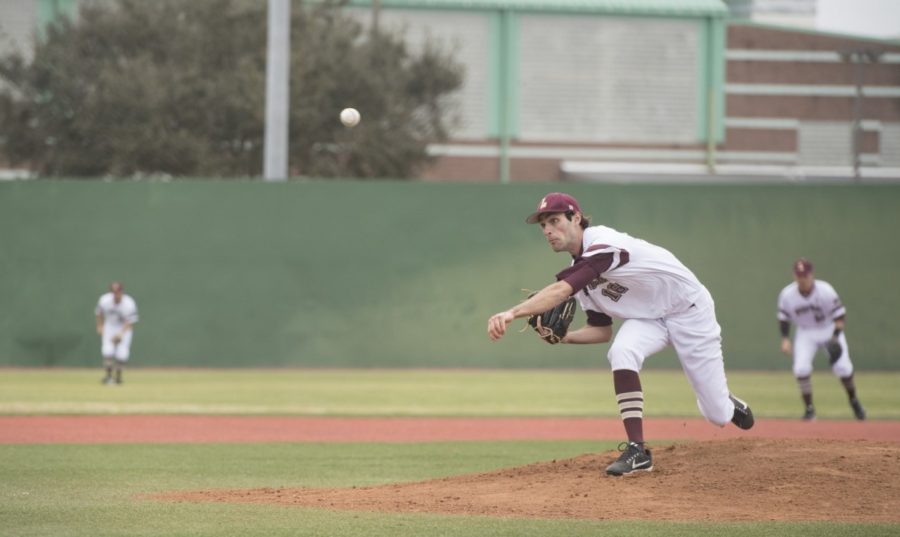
(376, 274)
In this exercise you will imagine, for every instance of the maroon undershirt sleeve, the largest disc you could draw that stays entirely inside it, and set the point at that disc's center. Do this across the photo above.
(585, 270)
(595, 318)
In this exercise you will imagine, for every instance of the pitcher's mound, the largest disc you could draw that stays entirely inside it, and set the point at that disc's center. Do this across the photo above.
(729, 480)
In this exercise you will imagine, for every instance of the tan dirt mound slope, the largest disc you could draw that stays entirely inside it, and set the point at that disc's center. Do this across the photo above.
(727, 480)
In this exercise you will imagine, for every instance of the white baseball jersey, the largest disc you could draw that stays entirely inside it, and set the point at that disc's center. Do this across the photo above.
(814, 316)
(629, 278)
(663, 304)
(817, 310)
(116, 315)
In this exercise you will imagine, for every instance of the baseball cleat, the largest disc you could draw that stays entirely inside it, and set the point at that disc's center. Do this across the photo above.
(743, 416)
(858, 410)
(634, 458)
(810, 414)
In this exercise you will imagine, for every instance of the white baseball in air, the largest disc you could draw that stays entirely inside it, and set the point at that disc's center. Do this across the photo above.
(350, 117)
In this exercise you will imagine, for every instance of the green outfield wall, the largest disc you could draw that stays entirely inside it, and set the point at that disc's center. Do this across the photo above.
(384, 274)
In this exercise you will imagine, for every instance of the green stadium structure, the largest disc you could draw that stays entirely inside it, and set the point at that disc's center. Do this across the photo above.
(393, 274)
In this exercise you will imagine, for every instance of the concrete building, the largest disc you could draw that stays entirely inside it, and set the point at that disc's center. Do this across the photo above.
(549, 82)
(621, 90)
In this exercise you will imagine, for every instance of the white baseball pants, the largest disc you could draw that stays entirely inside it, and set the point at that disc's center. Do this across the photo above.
(110, 350)
(696, 337)
(808, 340)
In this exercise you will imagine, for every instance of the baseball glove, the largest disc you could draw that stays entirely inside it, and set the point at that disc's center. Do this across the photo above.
(553, 324)
(834, 351)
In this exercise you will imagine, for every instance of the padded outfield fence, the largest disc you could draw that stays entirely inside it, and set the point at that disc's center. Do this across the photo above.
(391, 274)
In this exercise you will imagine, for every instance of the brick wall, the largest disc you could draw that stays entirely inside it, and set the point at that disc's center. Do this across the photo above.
(789, 100)
(781, 84)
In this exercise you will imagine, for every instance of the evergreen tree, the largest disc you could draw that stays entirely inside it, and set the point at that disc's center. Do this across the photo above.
(177, 87)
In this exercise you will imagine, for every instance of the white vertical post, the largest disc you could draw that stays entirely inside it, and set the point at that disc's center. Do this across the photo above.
(275, 166)
(505, 102)
(857, 116)
(857, 59)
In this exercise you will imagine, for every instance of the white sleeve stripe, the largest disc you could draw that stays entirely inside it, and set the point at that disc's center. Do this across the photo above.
(600, 249)
(616, 261)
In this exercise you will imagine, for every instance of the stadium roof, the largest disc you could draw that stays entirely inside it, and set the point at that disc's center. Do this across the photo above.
(692, 8)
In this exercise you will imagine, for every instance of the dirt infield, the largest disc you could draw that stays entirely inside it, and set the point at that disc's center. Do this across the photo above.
(782, 470)
(243, 429)
(726, 480)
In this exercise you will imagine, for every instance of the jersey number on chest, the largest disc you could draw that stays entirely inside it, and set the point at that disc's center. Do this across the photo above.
(612, 290)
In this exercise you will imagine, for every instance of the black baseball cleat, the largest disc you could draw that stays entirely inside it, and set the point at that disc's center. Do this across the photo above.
(634, 458)
(809, 414)
(743, 416)
(858, 409)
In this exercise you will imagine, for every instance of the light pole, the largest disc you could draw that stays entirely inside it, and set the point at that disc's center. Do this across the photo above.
(376, 16)
(278, 55)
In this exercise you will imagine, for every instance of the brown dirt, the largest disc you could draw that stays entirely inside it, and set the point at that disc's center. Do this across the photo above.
(243, 429)
(829, 470)
(740, 479)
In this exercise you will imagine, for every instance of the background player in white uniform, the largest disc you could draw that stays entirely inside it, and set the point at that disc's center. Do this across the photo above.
(662, 302)
(116, 314)
(815, 307)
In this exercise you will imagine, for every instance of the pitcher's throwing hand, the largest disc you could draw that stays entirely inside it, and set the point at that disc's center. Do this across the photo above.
(497, 324)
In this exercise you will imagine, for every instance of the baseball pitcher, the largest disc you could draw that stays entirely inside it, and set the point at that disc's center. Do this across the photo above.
(661, 303)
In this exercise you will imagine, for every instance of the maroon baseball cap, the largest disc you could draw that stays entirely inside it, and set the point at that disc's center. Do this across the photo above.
(554, 202)
(802, 267)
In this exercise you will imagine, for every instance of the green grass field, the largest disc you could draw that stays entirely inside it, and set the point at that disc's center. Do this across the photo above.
(388, 392)
(95, 490)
